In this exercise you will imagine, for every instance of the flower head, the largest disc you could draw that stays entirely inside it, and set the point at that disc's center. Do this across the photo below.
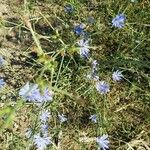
(117, 75)
(62, 118)
(118, 21)
(30, 92)
(93, 118)
(103, 142)
(41, 142)
(47, 95)
(2, 83)
(102, 87)
(69, 8)
(84, 48)
(79, 29)
(44, 116)
(35, 96)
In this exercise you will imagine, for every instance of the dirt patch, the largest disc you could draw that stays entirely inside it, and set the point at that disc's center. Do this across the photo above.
(16, 70)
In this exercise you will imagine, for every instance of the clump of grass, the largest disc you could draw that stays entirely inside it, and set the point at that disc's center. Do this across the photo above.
(89, 76)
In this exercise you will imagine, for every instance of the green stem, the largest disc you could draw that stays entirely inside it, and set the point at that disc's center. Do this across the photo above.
(59, 70)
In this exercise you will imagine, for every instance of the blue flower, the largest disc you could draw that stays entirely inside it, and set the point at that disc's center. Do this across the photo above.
(102, 87)
(2, 83)
(30, 92)
(93, 118)
(62, 118)
(79, 29)
(69, 8)
(118, 21)
(2, 61)
(103, 142)
(41, 142)
(47, 95)
(84, 48)
(35, 96)
(44, 116)
(117, 75)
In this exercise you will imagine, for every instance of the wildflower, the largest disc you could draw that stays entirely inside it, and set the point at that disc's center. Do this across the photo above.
(44, 129)
(78, 29)
(62, 118)
(41, 142)
(117, 75)
(44, 116)
(102, 87)
(2, 61)
(28, 133)
(84, 48)
(47, 95)
(35, 96)
(103, 142)
(118, 21)
(93, 118)
(26, 90)
(30, 92)
(69, 8)
(2, 83)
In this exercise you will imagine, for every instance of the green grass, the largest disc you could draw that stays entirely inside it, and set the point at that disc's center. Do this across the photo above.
(46, 54)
